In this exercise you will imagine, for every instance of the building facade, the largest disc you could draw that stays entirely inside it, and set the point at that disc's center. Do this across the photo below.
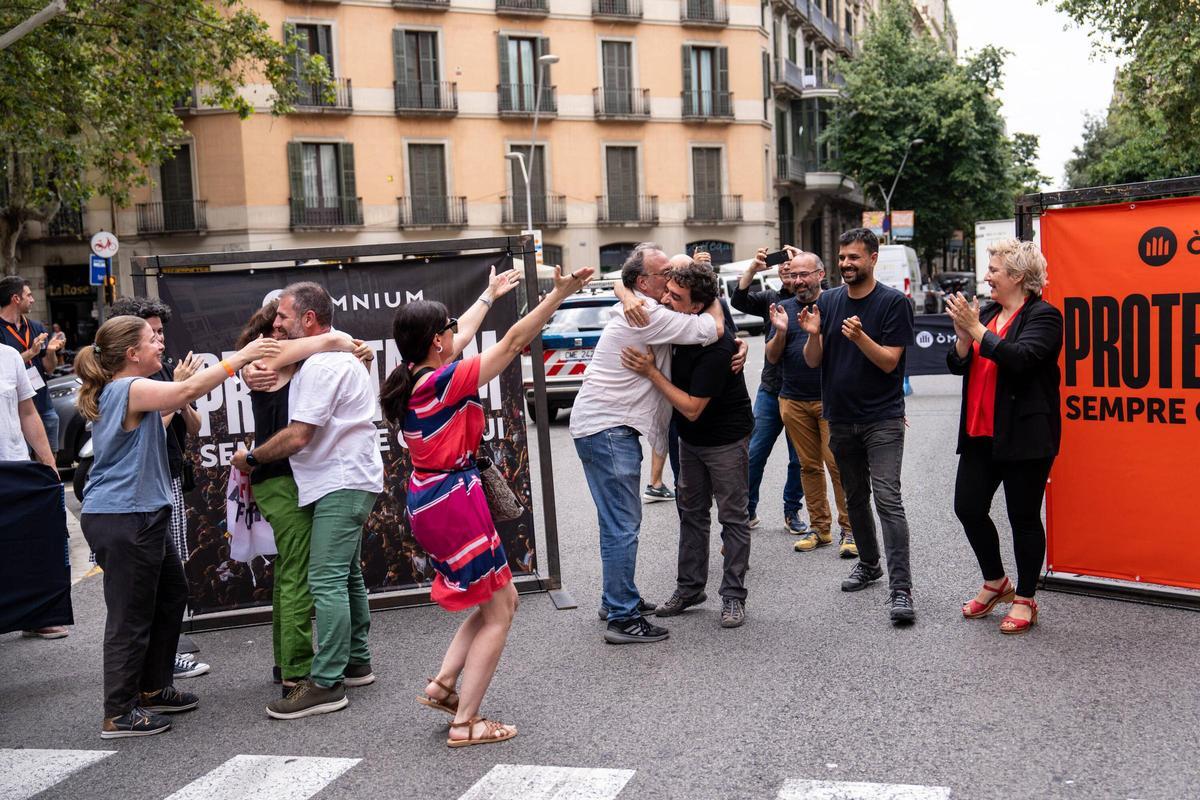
(693, 123)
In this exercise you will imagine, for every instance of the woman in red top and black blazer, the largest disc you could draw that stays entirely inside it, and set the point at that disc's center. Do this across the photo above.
(1009, 428)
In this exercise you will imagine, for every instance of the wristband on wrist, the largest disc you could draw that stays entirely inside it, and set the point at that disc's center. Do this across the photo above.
(487, 301)
(229, 370)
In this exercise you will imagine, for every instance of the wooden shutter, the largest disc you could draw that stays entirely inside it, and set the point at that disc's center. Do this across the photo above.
(687, 69)
(399, 59)
(722, 104)
(295, 157)
(506, 92)
(347, 187)
(325, 45)
(427, 182)
(621, 166)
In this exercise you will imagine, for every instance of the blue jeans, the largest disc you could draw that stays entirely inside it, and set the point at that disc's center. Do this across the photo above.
(768, 424)
(612, 464)
(50, 423)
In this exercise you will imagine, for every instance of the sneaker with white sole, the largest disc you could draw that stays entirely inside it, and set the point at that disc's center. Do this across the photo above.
(656, 494)
(795, 524)
(168, 700)
(359, 674)
(753, 522)
(638, 630)
(308, 699)
(136, 722)
(847, 548)
(53, 632)
(186, 666)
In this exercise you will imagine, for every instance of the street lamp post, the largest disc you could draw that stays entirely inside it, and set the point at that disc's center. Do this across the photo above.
(887, 198)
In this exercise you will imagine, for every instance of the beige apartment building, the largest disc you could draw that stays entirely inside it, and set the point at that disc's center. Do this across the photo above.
(693, 123)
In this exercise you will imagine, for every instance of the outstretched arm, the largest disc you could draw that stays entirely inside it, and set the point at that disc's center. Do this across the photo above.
(163, 396)
(472, 318)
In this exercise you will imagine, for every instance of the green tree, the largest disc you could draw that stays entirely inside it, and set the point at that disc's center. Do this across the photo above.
(87, 101)
(1154, 120)
(904, 86)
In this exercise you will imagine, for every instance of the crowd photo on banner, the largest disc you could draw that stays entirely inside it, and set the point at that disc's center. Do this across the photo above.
(300, 439)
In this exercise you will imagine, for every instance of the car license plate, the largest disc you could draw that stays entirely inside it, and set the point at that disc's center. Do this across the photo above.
(578, 355)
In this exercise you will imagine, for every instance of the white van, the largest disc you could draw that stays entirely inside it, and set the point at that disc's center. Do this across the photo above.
(898, 268)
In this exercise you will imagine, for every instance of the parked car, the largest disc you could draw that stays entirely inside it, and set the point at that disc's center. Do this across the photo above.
(72, 428)
(730, 274)
(568, 341)
(898, 268)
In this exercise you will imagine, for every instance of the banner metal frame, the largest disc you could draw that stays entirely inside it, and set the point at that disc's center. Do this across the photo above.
(515, 246)
(1028, 206)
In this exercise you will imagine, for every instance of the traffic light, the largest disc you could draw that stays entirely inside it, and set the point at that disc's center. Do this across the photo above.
(110, 289)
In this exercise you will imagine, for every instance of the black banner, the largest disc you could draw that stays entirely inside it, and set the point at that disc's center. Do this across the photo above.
(35, 571)
(208, 312)
(935, 337)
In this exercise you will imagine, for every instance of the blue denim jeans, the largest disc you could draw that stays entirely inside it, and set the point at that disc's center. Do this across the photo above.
(612, 464)
(50, 423)
(768, 424)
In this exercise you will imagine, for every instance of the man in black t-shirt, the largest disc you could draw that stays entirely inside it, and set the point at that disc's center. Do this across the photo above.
(856, 335)
(39, 350)
(713, 414)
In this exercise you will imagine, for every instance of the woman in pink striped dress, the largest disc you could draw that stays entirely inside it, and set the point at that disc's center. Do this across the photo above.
(435, 397)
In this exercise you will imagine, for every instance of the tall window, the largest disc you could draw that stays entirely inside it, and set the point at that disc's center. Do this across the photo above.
(612, 256)
(314, 40)
(622, 182)
(706, 81)
(427, 183)
(816, 114)
(323, 184)
(520, 72)
(617, 73)
(706, 182)
(175, 180)
(417, 68)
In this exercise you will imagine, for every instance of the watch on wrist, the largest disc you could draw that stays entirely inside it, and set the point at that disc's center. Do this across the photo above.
(251, 460)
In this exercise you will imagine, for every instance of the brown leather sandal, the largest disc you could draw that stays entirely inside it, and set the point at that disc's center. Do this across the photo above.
(443, 704)
(493, 732)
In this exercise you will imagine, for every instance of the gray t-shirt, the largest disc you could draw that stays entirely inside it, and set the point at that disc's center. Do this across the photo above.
(130, 472)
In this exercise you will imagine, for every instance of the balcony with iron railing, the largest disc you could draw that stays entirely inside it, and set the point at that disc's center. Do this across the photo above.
(617, 10)
(187, 102)
(66, 224)
(789, 169)
(549, 211)
(426, 98)
(325, 212)
(703, 12)
(706, 106)
(712, 208)
(432, 211)
(518, 99)
(621, 104)
(172, 216)
(340, 99)
(821, 81)
(427, 5)
(523, 8)
(628, 210)
(789, 78)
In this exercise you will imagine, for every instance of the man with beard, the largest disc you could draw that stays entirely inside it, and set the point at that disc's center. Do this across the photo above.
(332, 444)
(768, 423)
(800, 407)
(856, 335)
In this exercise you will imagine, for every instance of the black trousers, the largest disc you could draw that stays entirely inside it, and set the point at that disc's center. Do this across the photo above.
(979, 475)
(145, 593)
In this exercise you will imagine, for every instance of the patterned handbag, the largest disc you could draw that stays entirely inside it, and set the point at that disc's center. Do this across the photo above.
(501, 500)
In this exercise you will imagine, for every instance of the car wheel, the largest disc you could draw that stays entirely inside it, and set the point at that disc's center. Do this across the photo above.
(80, 478)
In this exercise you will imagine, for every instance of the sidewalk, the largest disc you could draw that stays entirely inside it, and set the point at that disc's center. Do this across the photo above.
(81, 561)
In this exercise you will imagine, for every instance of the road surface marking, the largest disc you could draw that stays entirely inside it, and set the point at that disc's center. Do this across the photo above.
(24, 773)
(523, 782)
(845, 790)
(266, 778)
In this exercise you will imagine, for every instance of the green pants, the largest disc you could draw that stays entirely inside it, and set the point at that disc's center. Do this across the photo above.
(291, 602)
(335, 578)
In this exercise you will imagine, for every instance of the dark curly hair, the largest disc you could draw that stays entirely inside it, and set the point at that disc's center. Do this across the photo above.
(144, 307)
(699, 280)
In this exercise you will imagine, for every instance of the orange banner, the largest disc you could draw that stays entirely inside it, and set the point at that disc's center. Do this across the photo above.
(1123, 500)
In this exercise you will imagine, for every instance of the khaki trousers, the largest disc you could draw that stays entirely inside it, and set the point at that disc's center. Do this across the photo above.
(809, 433)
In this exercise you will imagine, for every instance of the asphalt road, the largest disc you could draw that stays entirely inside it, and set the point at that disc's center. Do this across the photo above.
(1099, 701)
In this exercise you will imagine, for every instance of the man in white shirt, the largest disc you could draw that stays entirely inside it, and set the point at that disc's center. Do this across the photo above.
(614, 407)
(332, 444)
(20, 425)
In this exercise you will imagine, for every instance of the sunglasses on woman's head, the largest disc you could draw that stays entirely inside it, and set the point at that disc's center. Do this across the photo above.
(452, 325)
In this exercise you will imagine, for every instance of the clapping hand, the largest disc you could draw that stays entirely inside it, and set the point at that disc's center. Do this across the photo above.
(852, 328)
(964, 313)
(810, 320)
(779, 318)
(57, 341)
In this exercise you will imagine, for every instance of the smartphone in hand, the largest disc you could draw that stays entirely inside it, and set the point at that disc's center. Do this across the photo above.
(777, 258)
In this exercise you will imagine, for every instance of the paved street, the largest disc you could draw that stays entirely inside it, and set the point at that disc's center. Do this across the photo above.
(1099, 701)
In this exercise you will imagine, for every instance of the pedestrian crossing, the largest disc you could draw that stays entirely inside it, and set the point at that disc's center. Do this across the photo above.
(25, 773)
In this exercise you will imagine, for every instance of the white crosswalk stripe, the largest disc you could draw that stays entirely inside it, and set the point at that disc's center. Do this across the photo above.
(24, 773)
(266, 778)
(525, 782)
(846, 790)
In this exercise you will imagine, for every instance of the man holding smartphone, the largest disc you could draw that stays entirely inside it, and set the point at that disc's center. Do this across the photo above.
(39, 350)
(768, 424)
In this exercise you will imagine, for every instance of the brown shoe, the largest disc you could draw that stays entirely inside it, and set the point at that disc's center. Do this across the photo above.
(53, 632)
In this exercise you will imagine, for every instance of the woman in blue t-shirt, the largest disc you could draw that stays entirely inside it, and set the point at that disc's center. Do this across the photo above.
(126, 510)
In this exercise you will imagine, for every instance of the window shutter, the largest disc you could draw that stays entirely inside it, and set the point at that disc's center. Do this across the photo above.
(688, 102)
(295, 157)
(541, 48)
(348, 187)
(325, 45)
(398, 55)
(502, 44)
(290, 35)
(723, 105)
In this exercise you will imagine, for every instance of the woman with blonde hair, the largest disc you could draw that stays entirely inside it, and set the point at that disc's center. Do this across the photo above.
(126, 511)
(1009, 428)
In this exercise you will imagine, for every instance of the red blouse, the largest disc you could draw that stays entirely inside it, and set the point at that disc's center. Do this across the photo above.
(981, 388)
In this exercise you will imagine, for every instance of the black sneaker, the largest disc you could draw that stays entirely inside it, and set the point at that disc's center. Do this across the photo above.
(634, 631)
(861, 576)
(276, 675)
(308, 699)
(733, 612)
(136, 723)
(644, 608)
(168, 700)
(900, 606)
(359, 674)
(678, 604)
(186, 666)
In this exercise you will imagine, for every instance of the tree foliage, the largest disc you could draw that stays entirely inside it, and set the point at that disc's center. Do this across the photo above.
(1152, 129)
(87, 101)
(904, 86)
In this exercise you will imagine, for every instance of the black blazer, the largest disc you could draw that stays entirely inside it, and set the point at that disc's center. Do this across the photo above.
(1028, 423)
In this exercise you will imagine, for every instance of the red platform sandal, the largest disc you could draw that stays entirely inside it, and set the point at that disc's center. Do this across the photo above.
(1011, 624)
(1004, 593)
